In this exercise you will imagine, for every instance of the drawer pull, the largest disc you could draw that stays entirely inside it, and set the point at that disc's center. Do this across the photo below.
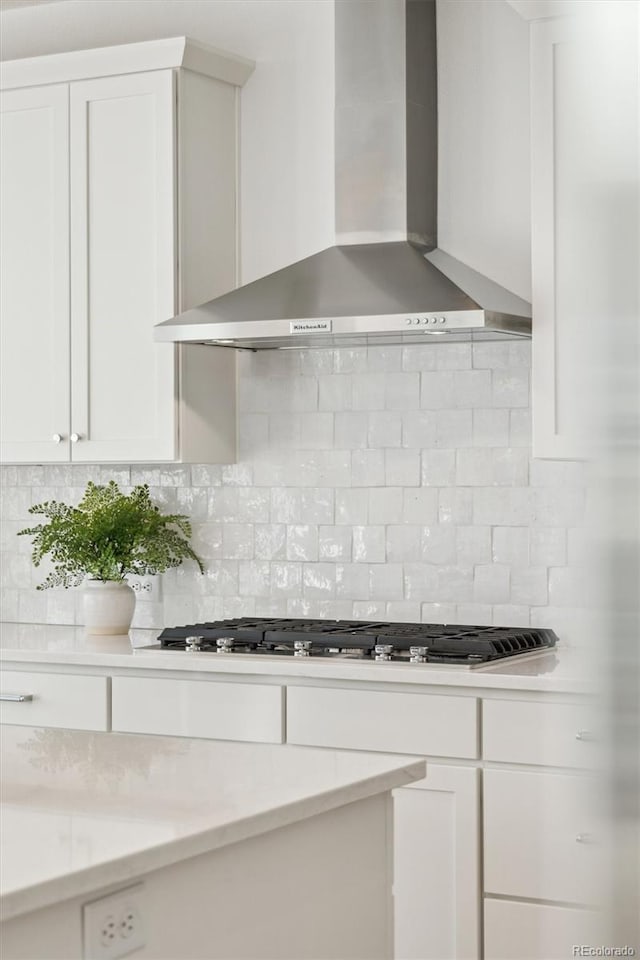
(16, 697)
(584, 838)
(585, 735)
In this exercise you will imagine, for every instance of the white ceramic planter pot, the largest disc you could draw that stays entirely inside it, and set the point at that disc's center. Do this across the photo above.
(108, 607)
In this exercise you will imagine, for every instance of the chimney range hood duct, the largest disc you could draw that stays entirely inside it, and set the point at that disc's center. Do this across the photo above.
(385, 281)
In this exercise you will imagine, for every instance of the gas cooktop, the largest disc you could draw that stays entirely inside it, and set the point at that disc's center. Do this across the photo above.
(357, 639)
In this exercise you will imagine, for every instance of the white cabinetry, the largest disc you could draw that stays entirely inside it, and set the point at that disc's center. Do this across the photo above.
(118, 210)
(436, 821)
(54, 700)
(561, 389)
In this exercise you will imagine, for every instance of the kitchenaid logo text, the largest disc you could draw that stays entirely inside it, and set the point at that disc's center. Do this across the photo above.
(582, 950)
(310, 326)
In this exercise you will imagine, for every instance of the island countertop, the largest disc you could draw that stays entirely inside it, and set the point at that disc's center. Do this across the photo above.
(83, 810)
(562, 670)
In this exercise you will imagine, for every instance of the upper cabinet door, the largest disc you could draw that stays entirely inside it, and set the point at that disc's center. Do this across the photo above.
(560, 357)
(34, 271)
(123, 255)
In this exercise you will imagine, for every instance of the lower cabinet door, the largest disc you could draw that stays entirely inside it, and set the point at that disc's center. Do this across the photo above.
(535, 931)
(437, 866)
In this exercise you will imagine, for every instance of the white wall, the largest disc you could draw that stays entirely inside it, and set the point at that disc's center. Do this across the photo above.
(287, 105)
(287, 115)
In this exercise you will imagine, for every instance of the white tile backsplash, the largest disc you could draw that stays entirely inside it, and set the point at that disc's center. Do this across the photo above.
(393, 483)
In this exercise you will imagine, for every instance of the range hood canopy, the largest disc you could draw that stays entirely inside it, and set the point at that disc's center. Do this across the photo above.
(384, 281)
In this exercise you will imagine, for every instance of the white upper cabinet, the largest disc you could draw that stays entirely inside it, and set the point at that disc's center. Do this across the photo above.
(34, 274)
(560, 347)
(119, 210)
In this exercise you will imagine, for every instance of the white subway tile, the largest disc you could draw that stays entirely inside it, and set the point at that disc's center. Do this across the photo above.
(254, 577)
(270, 541)
(438, 544)
(286, 505)
(32, 606)
(454, 428)
(548, 546)
(511, 467)
(419, 356)
(237, 541)
(221, 577)
(319, 580)
(194, 502)
(438, 613)
(420, 582)
(16, 502)
(520, 428)
(455, 584)
(474, 467)
(315, 361)
(223, 503)
(452, 356)
(581, 549)
(437, 390)
(503, 355)
(284, 431)
(369, 544)
(471, 388)
(367, 468)
(369, 609)
(237, 475)
(302, 542)
(352, 581)
(384, 358)
(473, 545)
(401, 391)
(455, 505)
(170, 476)
(384, 429)
(568, 587)
(420, 505)
(511, 545)
(61, 606)
(529, 586)
(253, 436)
(403, 544)
(268, 607)
(418, 429)
(317, 505)
(350, 360)
(474, 614)
(490, 428)
(511, 615)
(403, 611)
(509, 506)
(333, 469)
(351, 430)
(286, 579)
(9, 475)
(150, 476)
(368, 391)
(491, 583)
(352, 507)
(510, 387)
(335, 392)
(334, 543)
(207, 540)
(231, 607)
(385, 505)
(402, 468)
(253, 505)
(386, 582)
(17, 569)
(438, 468)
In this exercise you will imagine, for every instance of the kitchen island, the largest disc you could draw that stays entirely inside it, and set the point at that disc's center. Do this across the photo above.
(237, 850)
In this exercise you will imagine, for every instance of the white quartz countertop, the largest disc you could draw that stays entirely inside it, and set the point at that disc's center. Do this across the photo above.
(83, 810)
(561, 670)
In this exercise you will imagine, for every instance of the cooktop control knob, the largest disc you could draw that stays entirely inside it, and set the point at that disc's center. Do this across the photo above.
(302, 648)
(194, 643)
(383, 651)
(418, 654)
(225, 644)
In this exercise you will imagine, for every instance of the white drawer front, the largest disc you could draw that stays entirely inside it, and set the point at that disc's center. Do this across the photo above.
(390, 722)
(551, 734)
(56, 700)
(539, 836)
(198, 708)
(533, 931)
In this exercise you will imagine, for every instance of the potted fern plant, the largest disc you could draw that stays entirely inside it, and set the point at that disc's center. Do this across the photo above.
(106, 537)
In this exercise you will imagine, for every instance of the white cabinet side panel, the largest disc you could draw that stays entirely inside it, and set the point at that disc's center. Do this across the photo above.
(34, 274)
(123, 266)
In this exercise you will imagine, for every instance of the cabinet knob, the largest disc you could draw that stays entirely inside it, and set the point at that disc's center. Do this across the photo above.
(57, 437)
(584, 838)
(74, 437)
(584, 735)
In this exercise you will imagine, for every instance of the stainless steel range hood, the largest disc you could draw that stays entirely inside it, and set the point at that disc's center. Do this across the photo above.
(385, 281)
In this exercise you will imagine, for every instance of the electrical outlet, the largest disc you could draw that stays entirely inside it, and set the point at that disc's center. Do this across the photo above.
(146, 588)
(113, 926)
